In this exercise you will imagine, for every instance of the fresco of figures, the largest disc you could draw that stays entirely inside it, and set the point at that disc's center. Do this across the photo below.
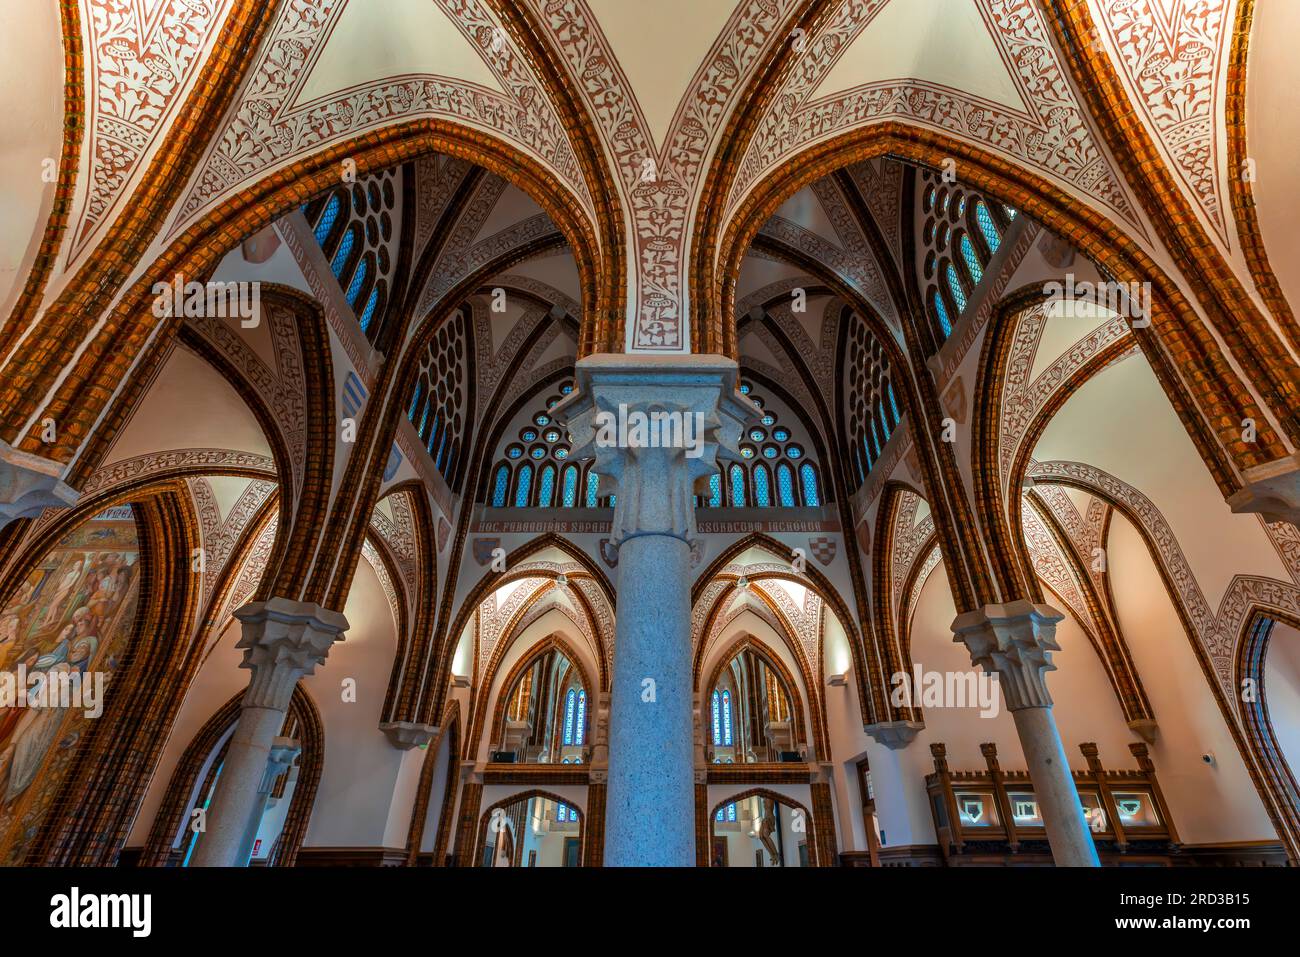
(73, 613)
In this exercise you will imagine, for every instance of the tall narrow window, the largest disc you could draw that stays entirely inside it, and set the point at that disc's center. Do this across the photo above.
(569, 495)
(972, 261)
(954, 285)
(501, 486)
(327, 219)
(546, 487)
(717, 717)
(368, 314)
(580, 722)
(343, 252)
(808, 478)
(988, 229)
(593, 487)
(737, 486)
(570, 713)
(785, 485)
(715, 490)
(941, 313)
(358, 280)
(726, 719)
(524, 486)
(762, 487)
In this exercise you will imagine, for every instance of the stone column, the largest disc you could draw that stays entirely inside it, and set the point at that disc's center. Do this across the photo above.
(1015, 642)
(283, 641)
(284, 751)
(656, 426)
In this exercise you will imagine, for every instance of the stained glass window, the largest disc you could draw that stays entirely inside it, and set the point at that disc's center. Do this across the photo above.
(500, 487)
(368, 314)
(358, 280)
(343, 252)
(580, 722)
(424, 420)
(717, 717)
(570, 492)
(972, 261)
(954, 284)
(415, 400)
(570, 712)
(762, 491)
(737, 486)
(715, 490)
(726, 718)
(893, 402)
(524, 486)
(808, 476)
(546, 487)
(989, 230)
(941, 310)
(329, 215)
(731, 813)
(785, 485)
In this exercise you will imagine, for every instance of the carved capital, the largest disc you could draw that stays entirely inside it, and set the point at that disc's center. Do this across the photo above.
(1272, 490)
(656, 426)
(29, 485)
(405, 735)
(283, 641)
(284, 751)
(894, 735)
(1015, 642)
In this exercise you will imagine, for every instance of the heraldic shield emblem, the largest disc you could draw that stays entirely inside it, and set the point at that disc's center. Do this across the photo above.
(483, 549)
(822, 548)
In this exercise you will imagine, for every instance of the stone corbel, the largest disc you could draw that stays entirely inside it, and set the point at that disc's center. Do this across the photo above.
(1271, 490)
(894, 735)
(30, 484)
(405, 735)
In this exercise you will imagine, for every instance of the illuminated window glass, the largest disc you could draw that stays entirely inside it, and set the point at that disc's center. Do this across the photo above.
(580, 723)
(941, 310)
(525, 484)
(737, 486)
(593, 485)
(972, 261)
(989, 229)
(808, 476)
(569, 494)
(570, 712)
(785, 485)
(893, 402)
(343, 252)
(329, 215)
(717, 718)
(546, 487)
(954, 285)
(358, 280)
(762, 490)
(726, 718)
(501, 486)
(368, 314)
(715, 490)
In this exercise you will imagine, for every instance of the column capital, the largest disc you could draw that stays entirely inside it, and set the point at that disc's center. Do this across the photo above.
(1015, 641)
(655, 426)
(405, 735)
(894, 735)
(283, 752)
(30, 484)
(284, 640)
(1272, 490)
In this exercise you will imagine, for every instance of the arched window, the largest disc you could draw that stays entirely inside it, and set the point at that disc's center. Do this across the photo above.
(580, 722)
(972, 261)
(954, 285)
(565, 814)
(715, 490)
(940, 312)
(717, 717)
(327, 219)
(762, 487)
(368, 313)
(358, 280)
(546, 487)
(726, 814)
(593, 488)
(570, 712)
(737, 486)
(344, 251)
(501, 486)
(808, 478)
(569, 491)
(785, 485)
(523, 485)
(726, 718)
(988, 229)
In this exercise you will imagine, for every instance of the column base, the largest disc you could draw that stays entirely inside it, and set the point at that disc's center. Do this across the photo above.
(1272, 491)
(30, 484)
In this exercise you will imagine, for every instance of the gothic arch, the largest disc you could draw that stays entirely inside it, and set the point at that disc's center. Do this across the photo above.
(750, 642)
(552, 642)
(448, 730)
(814, 857)
(480, 843)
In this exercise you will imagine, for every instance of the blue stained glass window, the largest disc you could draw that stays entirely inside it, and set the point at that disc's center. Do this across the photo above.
(343, 252)
(593, 484)
(415, 400)
(731, 813)
(893, 402)
(808, 476)
(580, 722)
(989, 229)
(726, 718)
(715, 490)
(328, 217)
(762, 490)
(538, 453)
(954, 284)
(717, 719)
(525, 484)
(570, 712)
(737, 486)
(785, 485)
(433, 435)
(972, 261)
(424, 419)
(569, 495)
(500, 486)
(546, 487)
(368, 314)
(358, 280)
(718, 818)
(866, 448)
(514, 451)
(942, 311)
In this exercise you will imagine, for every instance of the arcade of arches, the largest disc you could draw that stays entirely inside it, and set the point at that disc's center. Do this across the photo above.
(975, 320)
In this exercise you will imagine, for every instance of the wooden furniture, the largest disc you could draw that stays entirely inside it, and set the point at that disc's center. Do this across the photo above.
(991, 816)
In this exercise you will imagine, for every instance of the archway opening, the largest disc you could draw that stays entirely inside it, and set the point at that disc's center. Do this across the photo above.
(533, 831)
(546, 717)
(759, 830)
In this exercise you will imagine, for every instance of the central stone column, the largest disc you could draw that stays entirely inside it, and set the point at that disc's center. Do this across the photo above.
(656, 426)
(283, 641)
(1015, 641)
